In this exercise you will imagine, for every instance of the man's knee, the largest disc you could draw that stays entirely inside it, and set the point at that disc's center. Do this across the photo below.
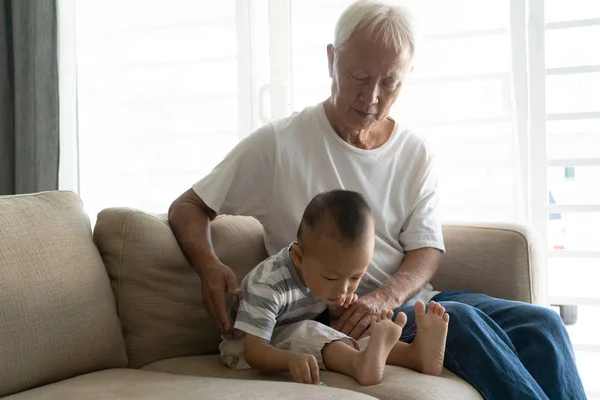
(540, 318)
(465, 320)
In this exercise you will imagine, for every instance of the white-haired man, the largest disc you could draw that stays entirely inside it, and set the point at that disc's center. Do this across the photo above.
(504, 349)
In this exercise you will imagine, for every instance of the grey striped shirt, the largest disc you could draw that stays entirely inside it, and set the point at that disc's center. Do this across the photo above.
(274, 295)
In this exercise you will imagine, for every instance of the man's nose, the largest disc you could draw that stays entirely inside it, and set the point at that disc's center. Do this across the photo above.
(370, 93)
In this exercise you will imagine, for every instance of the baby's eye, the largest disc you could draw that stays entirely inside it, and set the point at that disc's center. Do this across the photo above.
(329, 279)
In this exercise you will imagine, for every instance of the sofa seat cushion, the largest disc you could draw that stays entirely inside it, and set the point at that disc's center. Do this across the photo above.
(133, 384)
(57, 312)
(398, 383)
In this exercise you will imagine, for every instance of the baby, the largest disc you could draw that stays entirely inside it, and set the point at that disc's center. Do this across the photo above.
(274, 325)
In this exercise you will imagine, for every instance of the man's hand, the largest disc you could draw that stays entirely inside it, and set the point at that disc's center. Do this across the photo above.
(356, 319)
(304, 368)
(218, 279)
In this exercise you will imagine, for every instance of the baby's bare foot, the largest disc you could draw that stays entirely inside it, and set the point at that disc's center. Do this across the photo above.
(384, 334)
(430, 340)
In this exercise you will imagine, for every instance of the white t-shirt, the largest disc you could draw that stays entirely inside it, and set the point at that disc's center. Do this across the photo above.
(274, 173)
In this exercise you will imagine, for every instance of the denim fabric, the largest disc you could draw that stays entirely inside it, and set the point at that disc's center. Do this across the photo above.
(506, 349)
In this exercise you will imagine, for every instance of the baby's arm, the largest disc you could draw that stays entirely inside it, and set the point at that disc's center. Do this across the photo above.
(261, 355)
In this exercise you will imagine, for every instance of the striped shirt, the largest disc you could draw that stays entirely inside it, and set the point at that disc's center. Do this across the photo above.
(274, 295)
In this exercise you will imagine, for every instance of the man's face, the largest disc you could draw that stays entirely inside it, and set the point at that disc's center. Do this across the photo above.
(332, 270)
(366, 81)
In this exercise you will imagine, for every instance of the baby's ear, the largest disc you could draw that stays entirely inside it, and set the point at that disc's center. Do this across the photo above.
(297, 255)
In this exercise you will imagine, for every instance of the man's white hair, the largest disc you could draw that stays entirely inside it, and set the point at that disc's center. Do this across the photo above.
(393, 25)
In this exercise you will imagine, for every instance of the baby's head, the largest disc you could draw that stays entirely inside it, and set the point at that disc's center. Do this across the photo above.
(335, 244)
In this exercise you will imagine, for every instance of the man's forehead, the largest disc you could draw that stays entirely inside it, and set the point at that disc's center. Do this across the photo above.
(368, 55)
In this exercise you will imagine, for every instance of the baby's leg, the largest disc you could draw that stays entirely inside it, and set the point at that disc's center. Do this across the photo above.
(426, 353)
(365, 366)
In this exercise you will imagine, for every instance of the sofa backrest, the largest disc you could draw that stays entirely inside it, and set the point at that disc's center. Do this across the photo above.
(57, 311)
(158, 293)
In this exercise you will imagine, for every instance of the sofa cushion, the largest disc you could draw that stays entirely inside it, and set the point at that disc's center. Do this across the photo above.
(398, 383)
(158, 293)
(135, 384)
(57, 311)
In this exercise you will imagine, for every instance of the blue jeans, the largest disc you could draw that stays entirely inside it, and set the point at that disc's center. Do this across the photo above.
(506, 349)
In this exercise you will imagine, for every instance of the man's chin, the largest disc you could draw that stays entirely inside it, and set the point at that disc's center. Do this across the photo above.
(361, 124)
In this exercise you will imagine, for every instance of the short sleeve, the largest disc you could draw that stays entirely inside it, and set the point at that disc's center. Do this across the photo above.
(258, 310)
(242, 184)
(423, 227)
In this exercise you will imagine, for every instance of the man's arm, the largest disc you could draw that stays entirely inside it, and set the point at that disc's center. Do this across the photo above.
(261, 355)
(190, 218)
(418, 267)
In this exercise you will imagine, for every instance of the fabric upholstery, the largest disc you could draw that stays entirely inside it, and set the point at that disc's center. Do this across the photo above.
(158, 293)
(57, 311)
(500, 260)
(135, 384)
(398, 383)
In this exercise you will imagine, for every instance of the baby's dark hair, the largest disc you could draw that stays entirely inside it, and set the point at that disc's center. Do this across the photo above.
(348, 211)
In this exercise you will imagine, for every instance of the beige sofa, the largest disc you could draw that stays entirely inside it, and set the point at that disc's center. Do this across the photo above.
(118, 315)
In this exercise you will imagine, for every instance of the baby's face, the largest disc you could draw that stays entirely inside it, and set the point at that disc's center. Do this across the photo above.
(332, 270)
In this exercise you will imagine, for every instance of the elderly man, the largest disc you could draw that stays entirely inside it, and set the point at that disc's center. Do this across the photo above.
(505, 349)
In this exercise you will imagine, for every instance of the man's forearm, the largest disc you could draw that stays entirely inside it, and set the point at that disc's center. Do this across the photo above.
(190, 222)
(418, 267)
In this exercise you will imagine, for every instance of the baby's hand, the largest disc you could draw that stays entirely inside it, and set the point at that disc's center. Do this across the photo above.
(350, 300)
(336, 311)
(304, 368)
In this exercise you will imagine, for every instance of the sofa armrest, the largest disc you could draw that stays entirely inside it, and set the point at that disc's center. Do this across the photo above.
(500, 260)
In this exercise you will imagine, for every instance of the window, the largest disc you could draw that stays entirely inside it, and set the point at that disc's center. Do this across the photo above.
(157, 102)
(572, 85)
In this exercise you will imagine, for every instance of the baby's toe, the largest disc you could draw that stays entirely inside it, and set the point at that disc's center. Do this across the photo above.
(420, 308)
(441, 310)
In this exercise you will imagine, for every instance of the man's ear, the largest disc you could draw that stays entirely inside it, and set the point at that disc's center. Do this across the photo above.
(297, 255)
(330, 58)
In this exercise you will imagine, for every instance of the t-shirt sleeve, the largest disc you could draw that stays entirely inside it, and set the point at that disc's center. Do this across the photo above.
(423, 227)
(258, 310)
(242, 184)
